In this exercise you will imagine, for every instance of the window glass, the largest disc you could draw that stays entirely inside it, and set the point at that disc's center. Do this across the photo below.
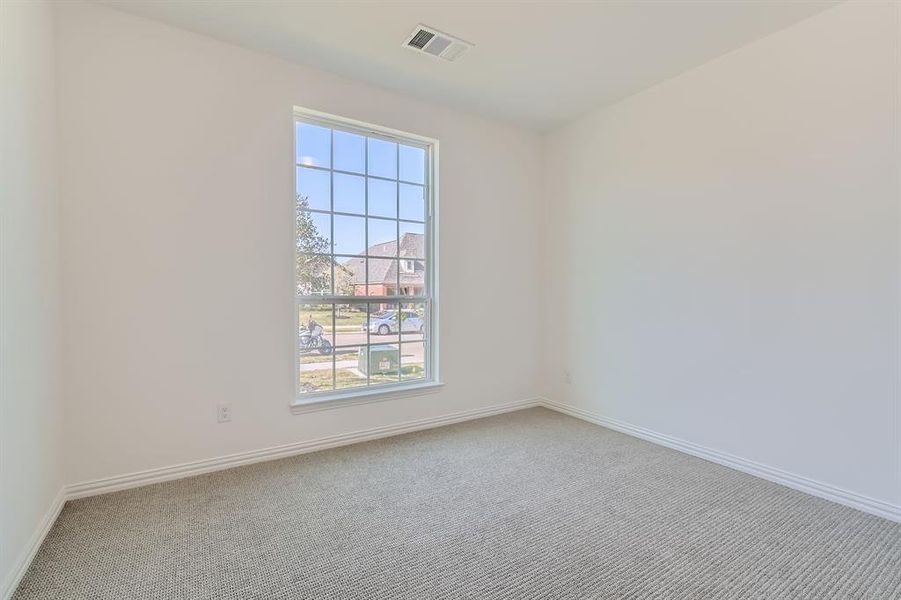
(314, 145)
(315, 187)
(412, 164)
(382, 157)
(412, 202)
(362, 268)
(350, 152)
(382, 198)
(350, 194)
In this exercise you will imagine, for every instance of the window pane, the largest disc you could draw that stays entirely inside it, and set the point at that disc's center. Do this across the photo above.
(412, 240)
(412, 202)
(412, 361)
(382, 198)
(350, 194)
(314, 189)
(382, 237)
(347, 365)
(314, 145)
(413, 321)
(316, 335)
(350, 275)
(351, 367)
(384, 361)
(383, 323)
(412, 164)
(382, 158)
(312, 232)
(350, 234)
(351, 323)
(382, 277)
(314, 274)
(315, 372)
(412, 277)
(350, 152)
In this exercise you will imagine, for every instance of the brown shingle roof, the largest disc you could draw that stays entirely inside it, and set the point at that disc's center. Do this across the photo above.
(412, 245)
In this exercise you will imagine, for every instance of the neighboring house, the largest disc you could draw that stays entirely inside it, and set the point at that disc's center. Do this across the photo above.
(405, 276)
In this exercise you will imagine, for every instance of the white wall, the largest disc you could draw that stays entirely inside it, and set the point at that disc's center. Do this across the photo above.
(30, 407)
(177, 254)
(725, 265)
(722, 265)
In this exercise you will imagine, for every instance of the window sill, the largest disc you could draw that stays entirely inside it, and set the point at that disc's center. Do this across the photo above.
(352, 398)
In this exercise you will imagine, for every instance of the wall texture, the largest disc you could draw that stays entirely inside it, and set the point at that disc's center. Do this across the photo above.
(30, 406)
(177, 252)
(725, 254)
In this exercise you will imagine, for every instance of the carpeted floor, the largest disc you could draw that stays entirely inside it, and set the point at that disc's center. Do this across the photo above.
(531, 504)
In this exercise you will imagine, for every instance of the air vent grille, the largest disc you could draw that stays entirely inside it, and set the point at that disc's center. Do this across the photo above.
(420, 39)
(435, 43)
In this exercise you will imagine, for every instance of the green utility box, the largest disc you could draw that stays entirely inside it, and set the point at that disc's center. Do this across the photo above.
(383, 358)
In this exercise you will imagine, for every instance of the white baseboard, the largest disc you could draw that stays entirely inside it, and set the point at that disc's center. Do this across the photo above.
(133, 480)
(797, 482)
(141, 478)
(37, 538)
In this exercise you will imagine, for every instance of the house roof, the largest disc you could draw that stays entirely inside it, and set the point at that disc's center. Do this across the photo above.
(412, 245)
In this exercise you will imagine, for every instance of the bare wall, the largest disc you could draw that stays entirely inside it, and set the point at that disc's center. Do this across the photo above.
(177, 161)
(725, 264)
(30, 405)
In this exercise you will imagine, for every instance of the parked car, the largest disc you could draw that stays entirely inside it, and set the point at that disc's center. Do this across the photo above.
(386, 322)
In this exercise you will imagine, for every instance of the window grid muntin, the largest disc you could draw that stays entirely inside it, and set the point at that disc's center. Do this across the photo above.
(429, 281)
(341, 172)
(331, 189)
(347, 214)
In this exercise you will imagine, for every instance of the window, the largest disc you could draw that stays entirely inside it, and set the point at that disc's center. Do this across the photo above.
(365, 264)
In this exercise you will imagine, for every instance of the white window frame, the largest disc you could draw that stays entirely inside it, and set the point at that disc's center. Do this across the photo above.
(315, 401)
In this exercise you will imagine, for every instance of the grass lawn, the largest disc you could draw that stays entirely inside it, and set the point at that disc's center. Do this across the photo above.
(344, 316)
(315, 357)
(314, 381)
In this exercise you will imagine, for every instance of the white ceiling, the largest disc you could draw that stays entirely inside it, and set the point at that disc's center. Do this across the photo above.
(538, 64)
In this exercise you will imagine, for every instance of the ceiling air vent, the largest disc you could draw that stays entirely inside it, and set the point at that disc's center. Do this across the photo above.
(435, 43)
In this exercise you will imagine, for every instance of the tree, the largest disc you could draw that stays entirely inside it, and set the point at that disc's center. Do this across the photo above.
(344, 281)
(314, 269)
(344, 286)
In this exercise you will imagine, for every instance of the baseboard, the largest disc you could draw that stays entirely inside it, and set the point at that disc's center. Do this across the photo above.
(797, 482)
(133, 480)
(37, 538)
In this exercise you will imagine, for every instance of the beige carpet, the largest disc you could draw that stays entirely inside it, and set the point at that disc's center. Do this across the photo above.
(531, 504)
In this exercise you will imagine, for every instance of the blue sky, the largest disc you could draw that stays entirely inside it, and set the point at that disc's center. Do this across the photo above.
(385, 160)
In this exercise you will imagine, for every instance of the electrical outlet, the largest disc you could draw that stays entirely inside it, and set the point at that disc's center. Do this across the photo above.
(224, 412)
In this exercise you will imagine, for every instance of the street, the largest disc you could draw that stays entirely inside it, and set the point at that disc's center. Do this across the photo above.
(357, 337)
